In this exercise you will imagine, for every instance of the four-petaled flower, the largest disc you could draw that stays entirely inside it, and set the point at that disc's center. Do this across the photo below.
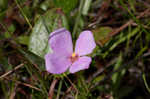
(63, 56)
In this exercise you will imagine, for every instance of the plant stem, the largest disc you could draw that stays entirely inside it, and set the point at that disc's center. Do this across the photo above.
(78, 18)
(23, 14)
(145, 82)
(59, 89)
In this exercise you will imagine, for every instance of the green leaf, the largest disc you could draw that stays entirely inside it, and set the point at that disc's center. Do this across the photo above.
(117, 76)
(12, 28)
(98, 78)
(46, 4)
(102, 35)
(7, 35)
(23, 39)
(66, 5)
(38, 43)
(9, 31)
(38, 39)
(34, 59)
(86, 7)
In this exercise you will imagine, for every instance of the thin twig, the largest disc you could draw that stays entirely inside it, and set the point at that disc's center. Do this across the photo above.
(116, 31)
(24, 84)
(9, 72)
(71, 83)
(51, 90)
(12, 95)
(29, 85)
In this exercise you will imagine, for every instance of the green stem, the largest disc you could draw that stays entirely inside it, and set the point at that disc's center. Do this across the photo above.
(145, 82)
(78, 18)
(59, 89)
(23, 14)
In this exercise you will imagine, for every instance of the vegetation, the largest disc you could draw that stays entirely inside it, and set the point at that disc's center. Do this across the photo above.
(120, 62)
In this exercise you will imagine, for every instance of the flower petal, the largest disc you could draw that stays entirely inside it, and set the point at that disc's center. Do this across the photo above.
(56, 64)
(81, 64)
(85, 43)
(61, 42)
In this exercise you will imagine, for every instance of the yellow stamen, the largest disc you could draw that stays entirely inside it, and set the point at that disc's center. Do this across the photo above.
(73, 55)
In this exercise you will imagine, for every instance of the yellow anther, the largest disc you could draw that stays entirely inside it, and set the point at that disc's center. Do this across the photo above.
(73, 55)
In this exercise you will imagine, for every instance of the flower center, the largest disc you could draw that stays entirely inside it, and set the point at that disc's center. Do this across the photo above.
(74, 57)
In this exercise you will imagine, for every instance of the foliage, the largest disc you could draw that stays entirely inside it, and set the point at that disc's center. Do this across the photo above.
(120, 62)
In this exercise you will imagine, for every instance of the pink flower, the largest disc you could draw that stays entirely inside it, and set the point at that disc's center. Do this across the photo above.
(63, 56)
